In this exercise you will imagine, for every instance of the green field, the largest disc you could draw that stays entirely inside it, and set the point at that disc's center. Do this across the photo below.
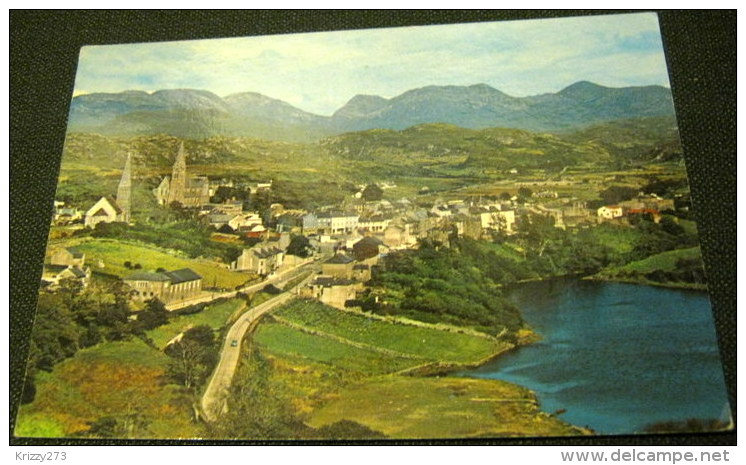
(333, 366)
(674, 268)
(620, 239)
(300, 347)
(415, 341)
(665, 261)
(114, 253)
(117, 380)
(215, 316)
(421, 408)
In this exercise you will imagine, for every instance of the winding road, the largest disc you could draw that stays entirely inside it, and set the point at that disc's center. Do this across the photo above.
(214, 399)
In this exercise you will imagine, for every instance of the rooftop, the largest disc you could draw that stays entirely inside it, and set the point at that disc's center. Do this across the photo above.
(329, 281)
(340, 259)
(147, 276)
(183, 275)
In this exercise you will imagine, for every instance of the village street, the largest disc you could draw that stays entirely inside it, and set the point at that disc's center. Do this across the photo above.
(213, 400)
(207, 296)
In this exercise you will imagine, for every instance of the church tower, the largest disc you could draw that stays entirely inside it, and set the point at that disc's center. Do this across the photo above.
(124, 190)
(177, 188)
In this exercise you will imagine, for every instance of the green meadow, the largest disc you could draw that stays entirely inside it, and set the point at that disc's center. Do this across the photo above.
(114, 254)
(332, 367)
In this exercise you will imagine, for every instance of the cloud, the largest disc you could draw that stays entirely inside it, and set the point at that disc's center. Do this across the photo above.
(319, 72)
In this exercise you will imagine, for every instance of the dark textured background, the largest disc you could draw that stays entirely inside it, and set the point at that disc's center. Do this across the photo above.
(701, 54)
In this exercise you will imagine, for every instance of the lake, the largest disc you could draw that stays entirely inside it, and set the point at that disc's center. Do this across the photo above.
(616, 356)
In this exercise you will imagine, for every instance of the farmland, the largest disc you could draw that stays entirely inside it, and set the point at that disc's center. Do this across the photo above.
(328, 367)
(114, 253)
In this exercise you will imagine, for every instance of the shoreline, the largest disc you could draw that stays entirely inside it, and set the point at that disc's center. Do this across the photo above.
(610, 279)
(645, 282)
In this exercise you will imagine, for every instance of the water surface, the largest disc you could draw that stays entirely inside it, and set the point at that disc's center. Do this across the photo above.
(616, 356)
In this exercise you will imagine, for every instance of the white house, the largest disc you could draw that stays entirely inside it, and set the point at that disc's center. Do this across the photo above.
(610, 212)
(105, 210)
(260, 259)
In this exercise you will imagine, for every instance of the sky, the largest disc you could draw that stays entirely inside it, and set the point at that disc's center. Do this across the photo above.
(320, 72)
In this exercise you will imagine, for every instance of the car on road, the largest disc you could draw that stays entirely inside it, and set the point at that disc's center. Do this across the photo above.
(234, 343)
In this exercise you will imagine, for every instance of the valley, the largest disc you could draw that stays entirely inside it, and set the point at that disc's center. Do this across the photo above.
(418, 219)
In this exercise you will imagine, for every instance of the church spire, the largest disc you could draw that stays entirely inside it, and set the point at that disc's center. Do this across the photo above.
(124, 190)
(177, 188)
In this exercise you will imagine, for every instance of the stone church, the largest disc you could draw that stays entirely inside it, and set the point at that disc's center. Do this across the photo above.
(108, 210)
(189, 191)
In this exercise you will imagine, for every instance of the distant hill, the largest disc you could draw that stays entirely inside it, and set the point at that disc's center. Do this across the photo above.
(195, 114)
(428, 149)
(646, 139)
(447, 150)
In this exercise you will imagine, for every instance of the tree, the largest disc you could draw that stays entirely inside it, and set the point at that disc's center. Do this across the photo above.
(299, 246)
(29, 387)
(536, 231)
(348, 429)
(271, 289)
(524, 192)
(55, 336)
(615, 194)
(372, 192)
(193, 357)
(670, 226)
(153, 315)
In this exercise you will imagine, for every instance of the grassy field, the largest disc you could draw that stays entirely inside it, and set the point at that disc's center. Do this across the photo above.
(620, 239)
(301, 348)
(114, 253)
(120, 380)
(665, 262)
(334, 365)
(421, 408)
(215, 316)
(415, 341)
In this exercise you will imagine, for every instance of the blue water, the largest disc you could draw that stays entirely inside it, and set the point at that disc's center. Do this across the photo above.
(617, 356)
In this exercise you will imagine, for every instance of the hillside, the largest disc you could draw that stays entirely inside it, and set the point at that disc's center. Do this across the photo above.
(360, 381)
(649, 138)
(440, 156)
(201, 114)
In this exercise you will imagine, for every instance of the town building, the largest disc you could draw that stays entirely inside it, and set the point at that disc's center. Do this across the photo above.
(65, 215)
(108, 210)
(339, 266)
(330, 223)
(374, 224)
(229, 207)
(186, 190)
(53, 275)
(361, 272)
(167, 286)
(496, 219)
(68, 256)
(368, 248)
(609, 212)
(332, 290)
(261, 259)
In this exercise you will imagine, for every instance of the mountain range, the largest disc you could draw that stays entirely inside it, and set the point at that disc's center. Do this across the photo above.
(195, 114)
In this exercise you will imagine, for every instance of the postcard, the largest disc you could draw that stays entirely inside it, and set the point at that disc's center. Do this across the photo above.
(475, 230)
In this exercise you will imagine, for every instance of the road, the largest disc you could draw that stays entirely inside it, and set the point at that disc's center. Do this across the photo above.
(210, 296)
(215, 396)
